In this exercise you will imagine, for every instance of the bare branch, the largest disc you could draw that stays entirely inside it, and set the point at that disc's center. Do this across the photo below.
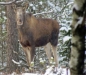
(43, 13)
(20, 1)
(7, 3)
(14, 1)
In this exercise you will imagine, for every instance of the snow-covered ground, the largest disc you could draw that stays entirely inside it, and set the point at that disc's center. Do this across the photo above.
(50, 71)
(59, 71)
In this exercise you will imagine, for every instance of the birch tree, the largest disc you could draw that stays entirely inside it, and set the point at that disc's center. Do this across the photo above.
(78, 38)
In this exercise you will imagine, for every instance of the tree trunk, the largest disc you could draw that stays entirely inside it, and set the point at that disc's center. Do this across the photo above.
(12, 41)
(78, 38)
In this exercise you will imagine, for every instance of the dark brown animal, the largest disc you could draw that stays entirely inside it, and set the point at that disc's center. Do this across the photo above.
(36, 32)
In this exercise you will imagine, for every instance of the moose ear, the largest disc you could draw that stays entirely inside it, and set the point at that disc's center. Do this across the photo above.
(14, 7)
(25, 6)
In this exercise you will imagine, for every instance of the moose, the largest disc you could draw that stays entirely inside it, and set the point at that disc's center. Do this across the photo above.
(36, 32)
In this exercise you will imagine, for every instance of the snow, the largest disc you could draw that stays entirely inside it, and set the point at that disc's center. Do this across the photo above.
(18, 63)
(3, 12)
(66, 38)
(49, 71)
(70, 3)
(65, 29)
(31, 5)
(58, 8)
(40, 2)
(50, 4)
(54, 8)
(43, 12)
(34, 8)
(28, 74)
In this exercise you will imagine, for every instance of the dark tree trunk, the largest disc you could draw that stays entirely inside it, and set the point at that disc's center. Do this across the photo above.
(12, 41)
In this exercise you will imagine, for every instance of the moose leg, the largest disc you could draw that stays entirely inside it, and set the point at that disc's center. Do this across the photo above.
(30, 51)
(28, 54)
(54, 50)
(48, 52)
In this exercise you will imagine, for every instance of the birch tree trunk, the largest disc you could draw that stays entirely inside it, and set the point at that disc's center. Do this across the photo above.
(78, 38)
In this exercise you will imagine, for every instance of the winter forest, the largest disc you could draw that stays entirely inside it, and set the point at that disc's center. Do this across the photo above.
(12, 56)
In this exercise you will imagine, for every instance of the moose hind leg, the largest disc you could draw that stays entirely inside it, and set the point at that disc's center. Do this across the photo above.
(54, 50)
(48, 51)
(54, 42)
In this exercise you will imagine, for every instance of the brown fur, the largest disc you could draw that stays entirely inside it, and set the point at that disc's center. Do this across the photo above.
(36, 32)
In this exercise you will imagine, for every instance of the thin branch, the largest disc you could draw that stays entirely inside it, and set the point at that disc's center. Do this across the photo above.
(14, 1)
(7, 3)
(20, 1)
(43, 13)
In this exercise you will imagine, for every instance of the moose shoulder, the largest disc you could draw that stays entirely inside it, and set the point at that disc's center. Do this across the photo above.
(36, 32)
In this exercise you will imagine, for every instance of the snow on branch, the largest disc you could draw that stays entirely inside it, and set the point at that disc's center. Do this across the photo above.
(43, 13)
(66, 38)
(10, 2)
(20, 1)
(7, 3)
(18, 63)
